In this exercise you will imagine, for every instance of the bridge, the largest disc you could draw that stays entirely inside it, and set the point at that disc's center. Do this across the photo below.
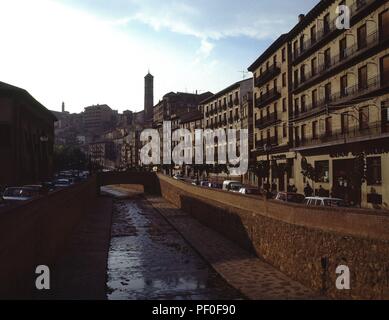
(149, 180)
(307, 244)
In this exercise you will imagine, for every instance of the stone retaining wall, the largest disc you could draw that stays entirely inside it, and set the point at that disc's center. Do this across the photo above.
(305, 243)
(34, 233)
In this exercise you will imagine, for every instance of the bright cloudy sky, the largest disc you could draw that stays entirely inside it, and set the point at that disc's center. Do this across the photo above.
(88, 52)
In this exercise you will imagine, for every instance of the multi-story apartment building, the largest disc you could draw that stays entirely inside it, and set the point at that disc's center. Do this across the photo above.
(191, 121)
(340, 100)
(223, 111)
(99, 118)
(271, 127)
(172, 107)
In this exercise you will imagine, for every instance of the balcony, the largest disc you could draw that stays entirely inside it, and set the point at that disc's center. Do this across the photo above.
(268, 75)
(323, 69)
(230, 104)
(372, 131)
(270, 120)
(230, 121)
(268, 97)
(260, 144)
(322, 34)
(338, 98)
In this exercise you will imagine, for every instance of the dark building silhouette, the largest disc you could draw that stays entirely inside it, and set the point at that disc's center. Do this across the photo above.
(26, 138)
(149, 97)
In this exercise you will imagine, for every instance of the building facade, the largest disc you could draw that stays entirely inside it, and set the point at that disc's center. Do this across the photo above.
(271, 126)
(224, 111)
(26, 138)
(340, 102)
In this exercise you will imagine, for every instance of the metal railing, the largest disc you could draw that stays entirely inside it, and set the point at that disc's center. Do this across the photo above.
(371, 41)
(371, 130)
(343, 95)
(273, 93)
(273, 71)
(266, 121)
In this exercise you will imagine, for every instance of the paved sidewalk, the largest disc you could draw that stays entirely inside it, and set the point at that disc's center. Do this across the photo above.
(254, 278)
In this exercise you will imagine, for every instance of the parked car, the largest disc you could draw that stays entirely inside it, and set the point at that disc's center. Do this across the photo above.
(215, 185)
(62, 183)
(20, 194)
(204, 183)
(49, 185)
(37, 188)
(231, 185)
(324, 202)
(179, 177)
(250, 191)
(290, 197)
(195, 182)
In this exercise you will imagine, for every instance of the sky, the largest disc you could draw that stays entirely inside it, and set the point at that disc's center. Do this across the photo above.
(87, 52)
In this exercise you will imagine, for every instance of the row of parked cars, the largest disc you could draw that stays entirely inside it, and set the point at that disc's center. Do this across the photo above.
(24, 193)
(290, 197)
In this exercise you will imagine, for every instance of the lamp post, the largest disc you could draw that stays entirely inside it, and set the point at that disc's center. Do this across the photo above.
(268, 147)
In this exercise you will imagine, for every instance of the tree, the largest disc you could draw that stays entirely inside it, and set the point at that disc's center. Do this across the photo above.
(69, 158)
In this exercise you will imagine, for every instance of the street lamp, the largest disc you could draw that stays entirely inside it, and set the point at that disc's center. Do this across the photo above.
(268, 148)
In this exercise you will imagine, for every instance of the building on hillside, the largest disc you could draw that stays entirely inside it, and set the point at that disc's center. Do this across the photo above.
(99, 118)
(26, 138)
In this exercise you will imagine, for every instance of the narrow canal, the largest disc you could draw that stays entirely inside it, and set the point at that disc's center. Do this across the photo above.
(149, 259)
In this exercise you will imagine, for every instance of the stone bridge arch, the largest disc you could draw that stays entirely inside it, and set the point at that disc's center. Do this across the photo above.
(149, 180)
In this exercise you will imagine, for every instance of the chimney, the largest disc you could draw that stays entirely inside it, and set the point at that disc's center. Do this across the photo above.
(301, 17)
(63, 107)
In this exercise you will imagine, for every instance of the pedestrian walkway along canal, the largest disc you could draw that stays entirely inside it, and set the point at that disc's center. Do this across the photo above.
(149, 259)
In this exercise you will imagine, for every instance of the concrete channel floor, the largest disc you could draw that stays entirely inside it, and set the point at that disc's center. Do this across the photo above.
(81, 273)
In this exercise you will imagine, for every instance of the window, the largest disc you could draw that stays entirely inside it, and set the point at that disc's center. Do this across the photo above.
(283, 54)
(284, 105)
(296, 78)
(343, 86)
(322, 169)
(328, 127)
(314, 98)
(302, 73)
(303, 103)
(284, 80)
(314, 66)
(327, 92)
(5, 135)
(326, 23)
(275, 59)
(343, 48)
(303, 132)
(313, 35)
(344, 122)
(384, 25)
(362, 78)
(327, 58)
(385, 70)
(295, 49)
(314, 130)
(364, 118)
(284, 130)
(302, 44)
(296, 105)
(362, 37)
(374, 171)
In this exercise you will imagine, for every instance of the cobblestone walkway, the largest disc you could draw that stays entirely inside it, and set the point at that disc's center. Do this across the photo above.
(254, 278)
